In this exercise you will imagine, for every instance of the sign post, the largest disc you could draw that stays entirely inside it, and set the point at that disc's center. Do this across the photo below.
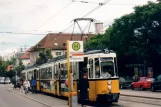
(69, 79)
(75, 53)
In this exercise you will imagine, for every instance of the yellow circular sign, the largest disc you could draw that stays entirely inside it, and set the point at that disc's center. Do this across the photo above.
(76, 46)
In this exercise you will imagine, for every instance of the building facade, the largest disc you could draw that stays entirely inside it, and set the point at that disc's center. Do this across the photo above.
(55, 42)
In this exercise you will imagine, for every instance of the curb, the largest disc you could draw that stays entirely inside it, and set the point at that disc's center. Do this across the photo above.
(30, 98)
(141, 102)
(140, 96)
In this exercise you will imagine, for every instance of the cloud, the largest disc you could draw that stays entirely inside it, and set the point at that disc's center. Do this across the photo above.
(29, 15)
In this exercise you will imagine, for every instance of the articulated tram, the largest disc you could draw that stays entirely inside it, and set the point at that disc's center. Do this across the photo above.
(102, 76)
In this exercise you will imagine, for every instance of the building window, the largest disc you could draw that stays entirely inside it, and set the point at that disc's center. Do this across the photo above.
(58, 53)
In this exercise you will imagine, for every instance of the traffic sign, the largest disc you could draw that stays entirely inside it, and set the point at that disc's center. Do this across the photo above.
(76, 51)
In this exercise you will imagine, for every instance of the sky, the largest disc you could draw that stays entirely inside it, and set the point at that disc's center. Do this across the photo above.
(45, 16)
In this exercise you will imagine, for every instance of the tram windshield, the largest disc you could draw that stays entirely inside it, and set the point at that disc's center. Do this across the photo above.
(107, 69)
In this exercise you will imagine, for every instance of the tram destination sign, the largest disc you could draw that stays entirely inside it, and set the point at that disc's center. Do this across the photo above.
(76, 51)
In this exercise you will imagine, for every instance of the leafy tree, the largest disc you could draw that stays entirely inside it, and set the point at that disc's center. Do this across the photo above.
(20, 68)
(44, 56)
(3, 68)
(136, 37)
(10, 73)
(12, 61)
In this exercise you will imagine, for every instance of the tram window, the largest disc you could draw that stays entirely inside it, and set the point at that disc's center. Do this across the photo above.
(29, 75)
(63, 72)
(66, 71)
(107, 69)
(74, 70)
(91, 68)
(45, 73)
(37, 74)
(57, 72)
(42, 73)
(23, 75)
(116, 67)
(97, 68)
(49, 73)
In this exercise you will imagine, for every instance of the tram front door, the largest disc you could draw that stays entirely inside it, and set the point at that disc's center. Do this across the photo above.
(82, 71)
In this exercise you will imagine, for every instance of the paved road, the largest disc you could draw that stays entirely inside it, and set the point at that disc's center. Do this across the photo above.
(9, 99)
(137, 92)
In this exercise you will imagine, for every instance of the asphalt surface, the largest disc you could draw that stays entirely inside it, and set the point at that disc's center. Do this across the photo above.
(10, 99)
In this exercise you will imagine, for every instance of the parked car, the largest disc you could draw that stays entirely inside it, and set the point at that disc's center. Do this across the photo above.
(7, 81)
(156, 84)
(125, 82)
(142, 83)
(2, 81)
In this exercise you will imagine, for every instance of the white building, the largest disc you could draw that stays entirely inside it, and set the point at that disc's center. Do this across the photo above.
(55, 42)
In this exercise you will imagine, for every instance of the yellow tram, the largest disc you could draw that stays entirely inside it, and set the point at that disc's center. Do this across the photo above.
(102, 76)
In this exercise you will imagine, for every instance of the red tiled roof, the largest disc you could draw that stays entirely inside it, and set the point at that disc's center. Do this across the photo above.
(25, 55)
(55, 41)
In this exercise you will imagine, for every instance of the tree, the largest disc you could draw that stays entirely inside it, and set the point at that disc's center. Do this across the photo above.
(44, 56)
(3, 68)
(12, 61)
(135, 37)
(10, 74)
(20, 68)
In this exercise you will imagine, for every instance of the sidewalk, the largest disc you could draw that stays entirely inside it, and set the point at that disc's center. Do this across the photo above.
(143, 94)
(43, 99)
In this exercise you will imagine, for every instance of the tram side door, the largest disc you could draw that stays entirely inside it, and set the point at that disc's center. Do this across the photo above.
(81, 74)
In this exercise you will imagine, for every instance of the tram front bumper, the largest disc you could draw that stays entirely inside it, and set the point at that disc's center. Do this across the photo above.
(108, 97)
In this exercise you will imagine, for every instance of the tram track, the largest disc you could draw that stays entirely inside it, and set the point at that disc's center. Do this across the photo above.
(143, 100)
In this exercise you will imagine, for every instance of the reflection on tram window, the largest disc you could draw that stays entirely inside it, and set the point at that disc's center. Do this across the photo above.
(37, 74)
(91, 68)
(29, 75)
(97, 68)
(46, 73)
(74, 69)
(63, 73)
(56, 72)
(107, 69)
(49, 73)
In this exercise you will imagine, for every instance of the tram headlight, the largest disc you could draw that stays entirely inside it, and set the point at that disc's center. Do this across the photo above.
(109, 87)
(109, 82)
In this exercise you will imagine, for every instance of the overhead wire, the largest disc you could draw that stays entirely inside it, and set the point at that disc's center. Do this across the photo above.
(90, 12)
(24, 33)
(54, 15)
(86, 2)
(97, 7)
(100, 4)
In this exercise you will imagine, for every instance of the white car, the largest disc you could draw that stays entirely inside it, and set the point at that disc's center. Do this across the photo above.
(2, 81)
(7, 81)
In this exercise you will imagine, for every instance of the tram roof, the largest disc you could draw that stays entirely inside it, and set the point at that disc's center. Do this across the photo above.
(85, 53)
(88, 52)
(97, 51)
(33, 66)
